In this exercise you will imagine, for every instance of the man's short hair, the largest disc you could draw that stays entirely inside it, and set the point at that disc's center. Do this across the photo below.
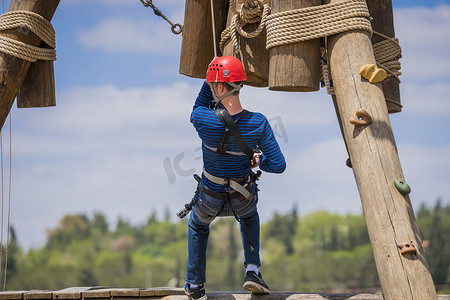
(229, 87)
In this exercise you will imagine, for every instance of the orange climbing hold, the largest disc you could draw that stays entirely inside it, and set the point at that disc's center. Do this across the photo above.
(361, 118)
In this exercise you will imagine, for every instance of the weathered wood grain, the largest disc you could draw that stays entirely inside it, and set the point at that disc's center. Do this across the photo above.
(383, 22)
(13, 70)
(38, 87)
(153, 292)
(38, 295)
(197, 46)
(177, 294)
(70, 293)
(373, 153)
(294, 67)
(253, 54)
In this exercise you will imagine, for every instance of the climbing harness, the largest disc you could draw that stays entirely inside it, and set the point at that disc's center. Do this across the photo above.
(188, 206)
(176, 28)
(230, 127)
(229, 183)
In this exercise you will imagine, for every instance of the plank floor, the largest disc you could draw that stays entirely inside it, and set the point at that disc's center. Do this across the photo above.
(101, 293)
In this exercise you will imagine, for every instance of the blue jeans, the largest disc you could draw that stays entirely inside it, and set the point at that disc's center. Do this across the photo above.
(203, 213)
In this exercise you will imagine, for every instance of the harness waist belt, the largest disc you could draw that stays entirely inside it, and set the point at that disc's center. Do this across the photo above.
(228, 182)
(222, 196)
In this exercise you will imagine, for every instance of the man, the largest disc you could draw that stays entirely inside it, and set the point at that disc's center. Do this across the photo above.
(228, 186)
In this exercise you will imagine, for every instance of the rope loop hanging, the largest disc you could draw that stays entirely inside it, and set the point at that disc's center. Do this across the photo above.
(26, 20)
(252, 11)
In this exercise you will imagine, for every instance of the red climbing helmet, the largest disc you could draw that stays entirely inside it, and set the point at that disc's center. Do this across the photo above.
(226, 69)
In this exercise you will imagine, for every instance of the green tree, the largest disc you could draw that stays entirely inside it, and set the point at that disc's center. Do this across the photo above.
(439, 249)
(232, 255)
(70, 228)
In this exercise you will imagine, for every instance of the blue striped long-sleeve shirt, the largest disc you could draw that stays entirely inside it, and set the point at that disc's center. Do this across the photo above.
(254, 128)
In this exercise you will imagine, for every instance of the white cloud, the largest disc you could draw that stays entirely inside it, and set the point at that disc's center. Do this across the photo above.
(304, 109)
(424, 36)
(426, 170)
(103, 148)
(426, 99)
(126, 35)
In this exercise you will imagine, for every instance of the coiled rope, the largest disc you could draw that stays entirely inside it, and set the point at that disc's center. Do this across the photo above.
(252, 11)
(314, 22)
(309, 23)
(38, 25)
(387, 53)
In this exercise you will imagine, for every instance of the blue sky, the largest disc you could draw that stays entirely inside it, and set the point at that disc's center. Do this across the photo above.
(119, 140)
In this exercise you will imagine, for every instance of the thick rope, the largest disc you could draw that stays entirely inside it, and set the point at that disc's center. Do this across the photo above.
(309, 23)
(213, 21)
(38, 25)
(325, 75)
(387, 54)
(252, 11)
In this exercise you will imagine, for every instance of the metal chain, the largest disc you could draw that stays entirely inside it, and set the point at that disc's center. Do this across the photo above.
(176, 28)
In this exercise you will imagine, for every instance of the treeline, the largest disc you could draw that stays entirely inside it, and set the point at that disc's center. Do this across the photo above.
(318, 251)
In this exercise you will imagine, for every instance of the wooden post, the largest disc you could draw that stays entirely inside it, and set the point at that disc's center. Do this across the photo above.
(383, 22)
(253, 54)
(295, 67)
(38, 87)
(197, 45)
(376, 165)
(12, 69)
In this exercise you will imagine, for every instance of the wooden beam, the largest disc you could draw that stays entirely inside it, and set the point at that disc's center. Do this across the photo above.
(294, 67)
(178, 294)
(12, 69)
(376, 165)
(197, 46)
(383, 22)
(38, 87)
(253, 53)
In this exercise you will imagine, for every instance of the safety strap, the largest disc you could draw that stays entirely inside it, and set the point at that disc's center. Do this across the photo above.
(235, 88)
(230, 126)
(222, 146)
(227, 182)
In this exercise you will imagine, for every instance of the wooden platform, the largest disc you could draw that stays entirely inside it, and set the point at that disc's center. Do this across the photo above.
(101, 293)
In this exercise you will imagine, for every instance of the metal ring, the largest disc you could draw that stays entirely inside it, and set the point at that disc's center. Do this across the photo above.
(175, 30)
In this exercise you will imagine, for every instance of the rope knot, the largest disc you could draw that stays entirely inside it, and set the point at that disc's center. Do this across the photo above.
(251, 11)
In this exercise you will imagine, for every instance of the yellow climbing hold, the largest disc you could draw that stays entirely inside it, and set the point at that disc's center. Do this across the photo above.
(372, 73)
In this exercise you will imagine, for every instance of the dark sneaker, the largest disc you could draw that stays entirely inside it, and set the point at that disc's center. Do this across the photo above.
(197, 293)
(255, 283)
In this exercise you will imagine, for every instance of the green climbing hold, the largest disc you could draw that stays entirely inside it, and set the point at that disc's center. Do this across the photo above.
(402, 187)
(348, 163)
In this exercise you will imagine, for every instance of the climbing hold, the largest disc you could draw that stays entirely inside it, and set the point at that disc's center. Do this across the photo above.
(402, 187)
(372, 73)
(361, 118)
(407, 248)
(349, 163)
